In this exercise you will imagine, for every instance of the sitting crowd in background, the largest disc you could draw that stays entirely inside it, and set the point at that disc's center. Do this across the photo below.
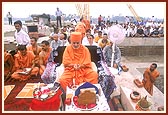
(59, 37)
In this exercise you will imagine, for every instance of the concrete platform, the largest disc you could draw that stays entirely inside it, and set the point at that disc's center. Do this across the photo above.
(125, 79)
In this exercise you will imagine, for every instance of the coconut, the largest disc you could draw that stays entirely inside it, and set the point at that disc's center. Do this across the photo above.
(144, 103)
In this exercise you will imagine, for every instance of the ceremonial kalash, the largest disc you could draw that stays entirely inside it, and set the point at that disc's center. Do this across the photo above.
(117, 90)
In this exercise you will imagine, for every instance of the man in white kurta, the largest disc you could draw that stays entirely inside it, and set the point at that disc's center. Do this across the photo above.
(22, 38)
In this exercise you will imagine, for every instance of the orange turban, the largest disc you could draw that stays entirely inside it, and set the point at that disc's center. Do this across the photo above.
(76, 37)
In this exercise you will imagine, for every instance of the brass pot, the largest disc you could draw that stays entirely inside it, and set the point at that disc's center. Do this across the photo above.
(135, 96)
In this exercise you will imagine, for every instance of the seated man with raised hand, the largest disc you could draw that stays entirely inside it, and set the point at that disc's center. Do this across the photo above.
(77, 63)
(24, 59)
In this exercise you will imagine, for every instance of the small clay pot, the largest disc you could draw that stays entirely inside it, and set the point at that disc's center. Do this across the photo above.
(135, 96)
(138, 83)
(124, 68)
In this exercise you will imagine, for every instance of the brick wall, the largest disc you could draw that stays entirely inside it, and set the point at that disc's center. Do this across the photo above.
(141, 50)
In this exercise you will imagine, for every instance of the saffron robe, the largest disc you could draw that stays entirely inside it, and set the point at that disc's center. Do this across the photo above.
(148, 79)
(22, 62)
(79, 56)
(81, 27)
(35, 50)
(8, 63)
(45, 60)
(87, 23)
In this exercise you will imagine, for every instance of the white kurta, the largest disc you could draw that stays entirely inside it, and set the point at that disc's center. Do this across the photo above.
(22, 38)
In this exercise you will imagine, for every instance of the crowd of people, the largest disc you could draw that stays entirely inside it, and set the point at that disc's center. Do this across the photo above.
(148, 29)
(144, 28)
(76, 57)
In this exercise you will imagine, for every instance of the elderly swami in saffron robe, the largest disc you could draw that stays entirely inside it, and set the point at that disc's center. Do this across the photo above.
(77, 63)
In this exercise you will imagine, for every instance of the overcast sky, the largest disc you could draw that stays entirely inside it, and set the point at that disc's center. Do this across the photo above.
(143, 9)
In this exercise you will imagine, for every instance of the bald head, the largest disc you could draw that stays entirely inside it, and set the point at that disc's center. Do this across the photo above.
(55, 37)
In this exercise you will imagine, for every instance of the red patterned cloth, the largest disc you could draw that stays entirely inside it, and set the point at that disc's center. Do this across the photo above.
(51, 104)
